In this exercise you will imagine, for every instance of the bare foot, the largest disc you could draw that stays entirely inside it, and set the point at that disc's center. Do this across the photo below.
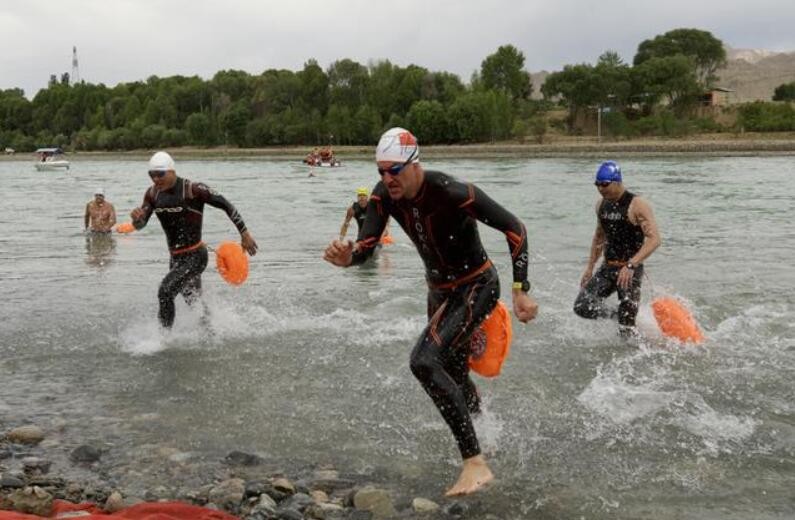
(474, 475)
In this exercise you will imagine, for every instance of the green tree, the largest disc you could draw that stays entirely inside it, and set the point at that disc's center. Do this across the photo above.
(760, 116)
(428, 121)
(504, 71)
(705, 50)
(199, 129)
(670, 78)
(578, 87)
(152, 136)
(233, 123)
(339, 123)
(15, 110)
(314, 86)
(347, 83)
(481, 116)
(366, 125)
(784, 92)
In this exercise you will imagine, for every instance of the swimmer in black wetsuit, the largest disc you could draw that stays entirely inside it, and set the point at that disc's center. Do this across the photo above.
(356, 211)
(179, 205)
(439, 214)
(626, 232)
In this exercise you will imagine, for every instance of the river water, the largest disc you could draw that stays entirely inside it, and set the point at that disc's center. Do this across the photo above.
(308, 364)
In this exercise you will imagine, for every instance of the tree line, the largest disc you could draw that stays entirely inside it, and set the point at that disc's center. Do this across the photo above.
(348, 103)
(352, 103)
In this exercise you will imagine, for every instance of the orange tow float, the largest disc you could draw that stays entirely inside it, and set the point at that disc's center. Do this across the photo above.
(496, 332)
(231, 262)
(675, 321)
(125, 227)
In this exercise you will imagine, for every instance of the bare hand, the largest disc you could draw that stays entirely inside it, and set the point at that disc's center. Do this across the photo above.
(137, 214)
(625, 277)
(248, 243)
(586, 276)
(339, 253)
(524, 307)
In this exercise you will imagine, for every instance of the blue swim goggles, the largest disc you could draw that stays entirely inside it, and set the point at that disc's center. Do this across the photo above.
(397, 168)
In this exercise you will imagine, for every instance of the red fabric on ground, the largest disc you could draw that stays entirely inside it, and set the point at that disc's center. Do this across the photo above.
(143, 511)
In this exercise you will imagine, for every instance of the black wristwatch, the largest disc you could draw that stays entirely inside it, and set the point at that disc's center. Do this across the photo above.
(523, 286)
(631, 266)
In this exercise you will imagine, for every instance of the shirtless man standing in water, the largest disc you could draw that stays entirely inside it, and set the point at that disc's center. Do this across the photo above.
(100, 215)
(440, 213)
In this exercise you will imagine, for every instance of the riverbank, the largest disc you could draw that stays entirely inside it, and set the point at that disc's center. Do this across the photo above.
(748, 144)
(37, 471)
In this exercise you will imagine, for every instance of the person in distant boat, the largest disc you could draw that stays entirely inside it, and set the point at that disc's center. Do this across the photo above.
(179, 205)
(100, 215)
(440, 213)
(626, 233)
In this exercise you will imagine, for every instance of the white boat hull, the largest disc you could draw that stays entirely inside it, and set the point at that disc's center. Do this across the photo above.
(51, 165)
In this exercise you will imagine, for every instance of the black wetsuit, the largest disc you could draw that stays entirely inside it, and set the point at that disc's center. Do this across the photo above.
(623, 240)
(464, 286)
(359, 213)
(180, 211)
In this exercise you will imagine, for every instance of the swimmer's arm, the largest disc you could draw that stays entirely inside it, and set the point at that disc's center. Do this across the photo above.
(140, 216)
(370, 234)
(486, 210)
(203, 193)
(345, 223)
(597, 246)
(598, 241)
(644, 217)
(112, 216)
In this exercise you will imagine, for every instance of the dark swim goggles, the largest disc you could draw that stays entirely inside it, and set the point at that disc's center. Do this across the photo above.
(156, 174)
(602, 184)
(397, 168)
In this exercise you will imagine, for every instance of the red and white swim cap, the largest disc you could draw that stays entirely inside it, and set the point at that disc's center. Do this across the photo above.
(397, 145)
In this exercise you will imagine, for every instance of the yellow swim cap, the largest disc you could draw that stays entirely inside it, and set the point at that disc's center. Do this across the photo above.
(361, 191)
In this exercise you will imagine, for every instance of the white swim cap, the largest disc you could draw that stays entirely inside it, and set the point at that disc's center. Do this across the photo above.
(161, 162)
(99, 191)
(397, 145)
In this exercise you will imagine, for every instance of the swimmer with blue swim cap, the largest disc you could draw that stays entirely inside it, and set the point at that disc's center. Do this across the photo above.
(626, 234)
(609, 171)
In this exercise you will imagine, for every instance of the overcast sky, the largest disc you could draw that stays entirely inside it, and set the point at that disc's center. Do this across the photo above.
(129, 40)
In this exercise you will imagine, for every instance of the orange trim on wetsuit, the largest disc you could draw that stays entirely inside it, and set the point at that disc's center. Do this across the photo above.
(441, 221)
(464, 279)
(188, 249)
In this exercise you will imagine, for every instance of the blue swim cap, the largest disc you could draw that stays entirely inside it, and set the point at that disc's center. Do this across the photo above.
(609, 171)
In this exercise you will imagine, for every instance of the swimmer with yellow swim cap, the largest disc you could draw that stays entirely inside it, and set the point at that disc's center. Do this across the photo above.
(357, 210)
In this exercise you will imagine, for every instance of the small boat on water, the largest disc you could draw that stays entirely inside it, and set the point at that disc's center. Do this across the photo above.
(322, 158)
(50, 159)
(335, 164)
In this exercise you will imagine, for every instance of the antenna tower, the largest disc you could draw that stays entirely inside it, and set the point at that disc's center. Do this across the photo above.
(75, 68)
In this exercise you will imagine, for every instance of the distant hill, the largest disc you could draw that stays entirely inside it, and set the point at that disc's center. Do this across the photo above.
(753, 74)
